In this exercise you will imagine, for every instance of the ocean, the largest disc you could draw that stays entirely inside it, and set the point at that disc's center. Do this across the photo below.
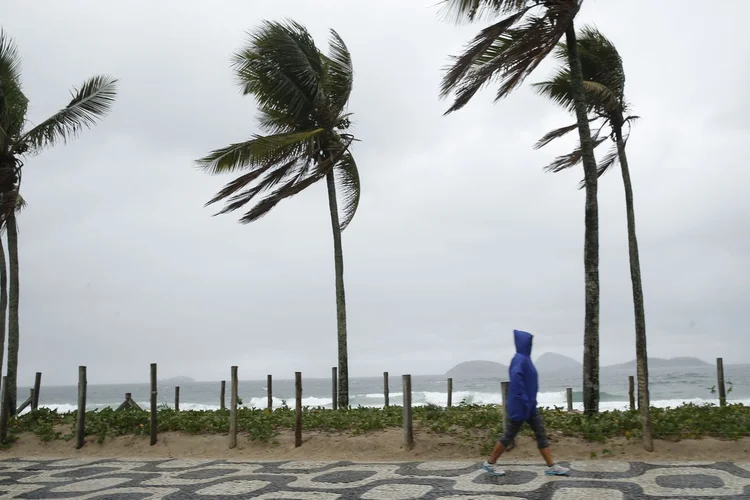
(669, 388)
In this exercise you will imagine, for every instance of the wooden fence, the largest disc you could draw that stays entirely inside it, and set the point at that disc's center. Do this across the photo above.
(408, 424)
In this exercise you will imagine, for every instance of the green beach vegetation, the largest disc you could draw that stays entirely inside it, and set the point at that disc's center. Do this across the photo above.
(476, 424)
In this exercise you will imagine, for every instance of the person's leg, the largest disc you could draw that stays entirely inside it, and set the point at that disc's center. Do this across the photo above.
(537, 426)
(509, 435)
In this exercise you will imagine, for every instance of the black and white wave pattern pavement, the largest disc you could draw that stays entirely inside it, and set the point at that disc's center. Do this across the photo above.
(173, 479)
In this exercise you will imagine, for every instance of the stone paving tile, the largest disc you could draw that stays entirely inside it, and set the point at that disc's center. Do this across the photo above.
(171, 479)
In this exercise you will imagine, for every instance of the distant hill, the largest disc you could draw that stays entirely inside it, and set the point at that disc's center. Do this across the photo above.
(681, 362)
(550, 362)
(478, 369)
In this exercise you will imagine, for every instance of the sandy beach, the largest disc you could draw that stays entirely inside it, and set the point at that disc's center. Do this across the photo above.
(379, 446)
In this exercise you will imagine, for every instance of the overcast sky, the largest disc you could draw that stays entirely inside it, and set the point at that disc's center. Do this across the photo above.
(459, 238)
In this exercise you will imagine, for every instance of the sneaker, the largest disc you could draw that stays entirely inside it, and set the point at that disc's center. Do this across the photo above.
(557, 470)
(492, 469)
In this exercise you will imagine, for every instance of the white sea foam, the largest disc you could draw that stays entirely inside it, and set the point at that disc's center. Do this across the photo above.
(419, 398)
(544, 399)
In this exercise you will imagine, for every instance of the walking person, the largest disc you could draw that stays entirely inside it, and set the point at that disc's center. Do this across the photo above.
(524, 385)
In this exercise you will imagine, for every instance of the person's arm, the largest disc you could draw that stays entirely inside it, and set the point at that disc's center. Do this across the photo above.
(518, 387)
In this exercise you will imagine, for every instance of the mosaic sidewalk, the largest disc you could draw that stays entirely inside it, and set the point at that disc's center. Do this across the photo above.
(220, 479)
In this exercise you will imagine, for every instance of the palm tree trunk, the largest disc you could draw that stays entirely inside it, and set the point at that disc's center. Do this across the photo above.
(3, 301)
(591, 237)
(338, 257)
(13, 328)
(641, 351)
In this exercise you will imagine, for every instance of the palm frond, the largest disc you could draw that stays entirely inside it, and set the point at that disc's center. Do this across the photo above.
(348, 189)
(554, 134)
(609, 160)
(558, 89)
(522, 50)
(487, 46)
(13, 103)
(288, 190)
(293, 181)
(20, 203)
(600, 64)
(571, 159)
(280, 173)
(282, 68)
(600, 60)
(248, 178)
(339, 75)
(474, 10)
(275, 122)
(91, 102)
(601, 97)
(258, 151)
(10, 60)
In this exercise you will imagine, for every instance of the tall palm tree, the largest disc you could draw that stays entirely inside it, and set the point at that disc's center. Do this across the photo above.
(89, 103)
(302, 96)
(604, 87)
(507, 52)
(20, 205)
(3, 301)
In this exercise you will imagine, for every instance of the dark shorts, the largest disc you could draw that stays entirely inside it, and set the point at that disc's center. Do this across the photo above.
(537, 425)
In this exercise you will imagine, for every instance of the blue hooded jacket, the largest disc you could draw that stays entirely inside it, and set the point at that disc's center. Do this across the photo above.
(524, 381)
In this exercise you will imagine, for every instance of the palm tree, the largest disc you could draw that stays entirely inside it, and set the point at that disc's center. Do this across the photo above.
(3, 301)
(89, 103)
(302, 96)
(604, 86)
(507, 52)
(20, 205)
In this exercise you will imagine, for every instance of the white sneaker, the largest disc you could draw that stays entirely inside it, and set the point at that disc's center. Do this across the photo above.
(492, 469)
(557, 470)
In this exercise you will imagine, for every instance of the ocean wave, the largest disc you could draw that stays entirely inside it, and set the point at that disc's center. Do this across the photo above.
(420, 398)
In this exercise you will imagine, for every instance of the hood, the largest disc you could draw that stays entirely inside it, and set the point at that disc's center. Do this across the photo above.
(523, 342)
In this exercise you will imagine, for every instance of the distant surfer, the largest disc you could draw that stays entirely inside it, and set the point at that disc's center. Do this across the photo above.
(524, 385)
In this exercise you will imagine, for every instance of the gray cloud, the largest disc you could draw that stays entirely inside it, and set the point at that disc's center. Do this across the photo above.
(460, 236)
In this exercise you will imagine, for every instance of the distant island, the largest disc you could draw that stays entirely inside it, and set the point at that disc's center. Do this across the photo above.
(477, 369)
(681, 362)
(551, 363)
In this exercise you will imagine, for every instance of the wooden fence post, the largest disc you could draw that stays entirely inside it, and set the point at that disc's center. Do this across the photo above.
(26, 403)
(298, 409)
(504, 386)
(334, 394)
(4, 410)
(222, 405)
(154, 393)
(720, 380)
(233, 409)
(450, 392)
(385, 389)
(408, 423)
(37, 387)
(569, 398)
(129, 403)
(269, 388)
(177, 398)
(81, 416)
(631, 391)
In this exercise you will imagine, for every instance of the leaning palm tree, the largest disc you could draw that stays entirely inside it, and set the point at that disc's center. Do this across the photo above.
(507, 52)
(604, 88)
(90, 102)
(302, 96)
